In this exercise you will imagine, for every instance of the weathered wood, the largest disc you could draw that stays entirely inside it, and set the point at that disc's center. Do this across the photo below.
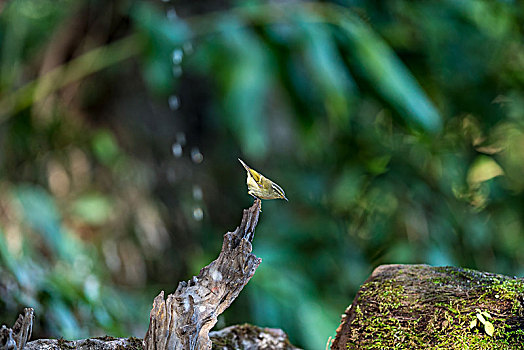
(245, 336)
(422, 307)
(250, 337)
(102, 343)
(184, 319)
(17, 337)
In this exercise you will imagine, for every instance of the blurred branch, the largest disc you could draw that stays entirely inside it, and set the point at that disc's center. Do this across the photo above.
(77, 69)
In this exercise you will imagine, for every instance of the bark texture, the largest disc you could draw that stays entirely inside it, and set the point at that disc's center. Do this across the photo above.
(184, 319)
(421, 307)
(245, 337)
(248, 337)
(102, 343)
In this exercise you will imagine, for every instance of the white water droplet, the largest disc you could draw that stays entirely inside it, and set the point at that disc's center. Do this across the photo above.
(177, 56)
(198, 214)
(177, 150)
(196, 156)
(197, 192)
(92, 287)
(181, 138)
(171, 14)
(177, 71)
(188, 47)
(171, 175)
(174, 102)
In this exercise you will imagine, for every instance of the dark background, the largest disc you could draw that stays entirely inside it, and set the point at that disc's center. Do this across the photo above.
(396, 129)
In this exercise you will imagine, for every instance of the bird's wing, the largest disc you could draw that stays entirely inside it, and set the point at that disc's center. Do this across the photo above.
(256, 176)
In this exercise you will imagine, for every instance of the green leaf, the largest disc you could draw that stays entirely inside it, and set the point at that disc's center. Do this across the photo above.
(473, 324)
(488, 328)
(105, 146)
(93, 208)
(481, 319)
(483, 169)
(41, 213)
(333, 84)
(485, 314)
(69, 326)
(386, 73)
(246, 85)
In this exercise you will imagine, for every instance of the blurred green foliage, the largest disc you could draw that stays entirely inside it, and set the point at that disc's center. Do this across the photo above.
(395, 127)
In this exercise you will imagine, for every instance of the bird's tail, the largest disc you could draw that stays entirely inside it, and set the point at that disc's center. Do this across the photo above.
(244, 164)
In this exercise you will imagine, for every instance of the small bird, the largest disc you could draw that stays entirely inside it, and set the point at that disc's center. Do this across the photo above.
(260, 186)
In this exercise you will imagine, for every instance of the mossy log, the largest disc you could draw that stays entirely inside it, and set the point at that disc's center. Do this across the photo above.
(424, 307)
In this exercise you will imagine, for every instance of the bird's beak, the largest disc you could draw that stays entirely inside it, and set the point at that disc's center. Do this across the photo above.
(285, 198)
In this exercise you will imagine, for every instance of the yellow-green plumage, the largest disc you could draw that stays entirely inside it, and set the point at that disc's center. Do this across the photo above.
(260, 186)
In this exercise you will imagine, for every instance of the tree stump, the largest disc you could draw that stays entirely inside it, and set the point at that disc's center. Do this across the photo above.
(183, 321)
(424, 307)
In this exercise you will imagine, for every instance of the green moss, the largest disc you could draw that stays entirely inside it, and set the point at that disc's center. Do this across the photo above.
(510, 290)
(390, 297)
